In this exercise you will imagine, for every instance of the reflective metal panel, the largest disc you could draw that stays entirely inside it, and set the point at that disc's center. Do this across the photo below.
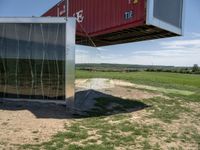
(169, 11)
(32, 59)
(166, 14)
(70, 63)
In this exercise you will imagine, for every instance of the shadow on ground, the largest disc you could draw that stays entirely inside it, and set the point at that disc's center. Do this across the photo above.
(89, 103)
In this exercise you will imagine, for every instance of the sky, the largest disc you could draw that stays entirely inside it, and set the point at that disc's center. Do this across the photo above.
(178, 51)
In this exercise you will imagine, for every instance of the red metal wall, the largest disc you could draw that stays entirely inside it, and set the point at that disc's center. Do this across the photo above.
(97, 17)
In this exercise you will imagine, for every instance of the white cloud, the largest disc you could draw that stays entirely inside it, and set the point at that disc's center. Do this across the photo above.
(180, 44)
(101, 49)
(195, 34)
(79, 51)
(86, 54)
(181, 51)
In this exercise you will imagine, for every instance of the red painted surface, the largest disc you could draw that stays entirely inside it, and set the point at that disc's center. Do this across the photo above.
(97, 17)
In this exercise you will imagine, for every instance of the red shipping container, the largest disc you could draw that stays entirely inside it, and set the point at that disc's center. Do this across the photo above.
(107, 22)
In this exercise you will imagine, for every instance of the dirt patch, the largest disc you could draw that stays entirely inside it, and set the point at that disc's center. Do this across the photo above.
(95, 84)
(100, 83)
(128, 93)
(24, 124)
(116, 88)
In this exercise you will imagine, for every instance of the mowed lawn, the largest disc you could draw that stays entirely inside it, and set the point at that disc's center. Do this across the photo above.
(171, 120)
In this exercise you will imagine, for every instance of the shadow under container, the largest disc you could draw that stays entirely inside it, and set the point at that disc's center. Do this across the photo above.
(37, 59)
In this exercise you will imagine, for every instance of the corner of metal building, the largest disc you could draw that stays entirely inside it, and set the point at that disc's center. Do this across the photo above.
(70, 64)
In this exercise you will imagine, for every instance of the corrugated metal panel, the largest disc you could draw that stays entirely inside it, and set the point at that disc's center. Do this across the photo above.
(98, 17)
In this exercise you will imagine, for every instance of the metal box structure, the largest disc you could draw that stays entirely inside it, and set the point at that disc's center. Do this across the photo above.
(37, 59)
(109, 22)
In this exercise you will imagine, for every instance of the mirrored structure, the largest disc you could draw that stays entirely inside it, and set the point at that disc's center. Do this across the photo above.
(37, 58)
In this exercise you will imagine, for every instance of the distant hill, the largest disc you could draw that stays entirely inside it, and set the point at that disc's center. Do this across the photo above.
(132, 68)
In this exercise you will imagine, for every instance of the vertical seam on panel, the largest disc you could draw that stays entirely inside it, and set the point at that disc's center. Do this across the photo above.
(17, 61)
(4, 67)
(48, 64)
(57, 66)
(5, 88)
(32, 76)
(43, 57)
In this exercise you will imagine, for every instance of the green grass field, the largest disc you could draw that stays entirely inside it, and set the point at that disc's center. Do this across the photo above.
(171, 121)
(176, 80)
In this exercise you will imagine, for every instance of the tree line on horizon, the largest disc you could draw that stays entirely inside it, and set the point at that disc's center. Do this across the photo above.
(195, 69)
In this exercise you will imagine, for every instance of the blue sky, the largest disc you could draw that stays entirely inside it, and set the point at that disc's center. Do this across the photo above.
(180, 51)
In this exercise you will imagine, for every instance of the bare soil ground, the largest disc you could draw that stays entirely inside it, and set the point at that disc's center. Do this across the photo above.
(22, 126)
(33, 123)
(25, 123)
(118, 88)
